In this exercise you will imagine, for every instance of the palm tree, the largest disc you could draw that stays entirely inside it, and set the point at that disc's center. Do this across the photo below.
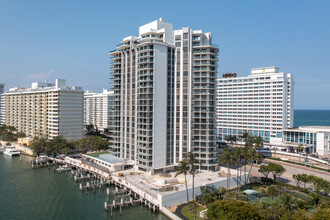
(249, 142)
(237, 156)
(183, 168)
(253, 155)
(259, 142)
(191, 159)
(231, 139)
(244, 136)
(300, 149)
(226, 157)
(245, 157)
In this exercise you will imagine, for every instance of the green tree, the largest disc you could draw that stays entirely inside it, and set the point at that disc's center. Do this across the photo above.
(321, 214)
(222, 191)
(193, 162)
(316, 182)
(238, 155)
(252, 156)
(244, 136)
(276, 169)
(264, 170)
(21, 134)
(231, 139)
(325, 186)
(227, 158)
(304, 178)
(300, 179)
(208, 198)
(39, 145)
(249, 141)
(273, 191)
(300, 149)
(183, 168)
(259, 142)
(297, 178)
(231, 210)
(287, 202)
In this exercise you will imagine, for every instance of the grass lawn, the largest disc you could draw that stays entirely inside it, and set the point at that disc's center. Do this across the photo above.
(269, 199)
(190, 214)
(97, 154)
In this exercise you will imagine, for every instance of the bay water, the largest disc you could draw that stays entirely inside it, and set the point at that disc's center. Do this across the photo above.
(40, 193)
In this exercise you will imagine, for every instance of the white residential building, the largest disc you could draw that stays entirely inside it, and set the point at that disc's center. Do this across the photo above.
(164, 84)
(261, 104)
(46, 110)
(2, 90)
(98, 109)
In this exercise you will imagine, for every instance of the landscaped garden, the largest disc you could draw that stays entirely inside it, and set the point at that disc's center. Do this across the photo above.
(266, 198)
(188, 211)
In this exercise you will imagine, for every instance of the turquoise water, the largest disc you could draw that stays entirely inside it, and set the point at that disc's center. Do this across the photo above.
(27, 193)
(311, 117)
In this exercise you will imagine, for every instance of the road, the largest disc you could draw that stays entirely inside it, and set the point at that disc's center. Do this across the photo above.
(294, 169)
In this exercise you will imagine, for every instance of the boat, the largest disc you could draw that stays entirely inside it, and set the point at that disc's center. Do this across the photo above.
(63, 168)
(42, 158)
(11, 151)
(2, 149)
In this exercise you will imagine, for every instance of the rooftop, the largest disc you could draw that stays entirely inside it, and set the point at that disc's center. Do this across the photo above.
(110, 158)
(310, 129)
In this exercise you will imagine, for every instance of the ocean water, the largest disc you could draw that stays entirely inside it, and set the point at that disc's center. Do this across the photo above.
(27, 193)
(311, 117)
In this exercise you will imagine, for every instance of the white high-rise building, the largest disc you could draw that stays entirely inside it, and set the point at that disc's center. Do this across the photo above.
(2, 90)
(164, 84)
(46, 110)
(98, 109)
(261, 104)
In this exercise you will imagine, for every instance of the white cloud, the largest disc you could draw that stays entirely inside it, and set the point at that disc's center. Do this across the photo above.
(40, 76)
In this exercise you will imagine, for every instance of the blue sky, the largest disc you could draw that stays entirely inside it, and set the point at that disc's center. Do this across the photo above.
(43, 40)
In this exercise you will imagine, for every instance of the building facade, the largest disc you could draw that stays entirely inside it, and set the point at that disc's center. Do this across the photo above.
(261, 104)
(46, 110)
(164, 84)
(98, 109)
(314, 139)
(2, 90)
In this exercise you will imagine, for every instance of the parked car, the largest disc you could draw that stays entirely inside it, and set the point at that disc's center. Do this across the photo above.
(308, 163)
(325, 158)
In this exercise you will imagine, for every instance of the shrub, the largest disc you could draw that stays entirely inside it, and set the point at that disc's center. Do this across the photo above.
(263, 193)
(231, 209)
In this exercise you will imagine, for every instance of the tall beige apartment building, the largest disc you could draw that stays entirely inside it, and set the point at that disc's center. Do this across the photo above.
(46, 110)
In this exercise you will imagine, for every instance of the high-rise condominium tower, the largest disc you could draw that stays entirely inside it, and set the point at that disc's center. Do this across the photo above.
(46, 110)
(261, 104)
(98, 109)
(164, 85)
(2, 89)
